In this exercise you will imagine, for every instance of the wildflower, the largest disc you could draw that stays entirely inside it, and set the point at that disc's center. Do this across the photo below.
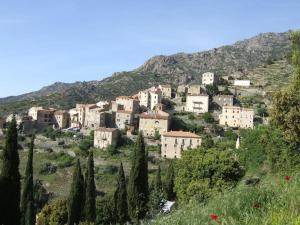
(287, 178)
(214, 217)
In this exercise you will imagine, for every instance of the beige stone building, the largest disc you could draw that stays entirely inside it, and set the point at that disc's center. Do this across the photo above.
(124, 118)
(174, 142)
(150, 98)
(104, 137)
(208, 78)
(79, 114)
(197, 103)
(95, 118)
(153, 121)
(181, 89)
(194, 89)
(166, 90)
(127, 103)
(223, 100)
(61, 119)
(42, 115)
(235, 116)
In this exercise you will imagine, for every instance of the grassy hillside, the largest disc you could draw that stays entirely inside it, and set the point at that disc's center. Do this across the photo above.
(275, 201)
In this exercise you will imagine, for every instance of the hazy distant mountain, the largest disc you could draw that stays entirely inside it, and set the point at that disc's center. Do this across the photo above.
(243, 56)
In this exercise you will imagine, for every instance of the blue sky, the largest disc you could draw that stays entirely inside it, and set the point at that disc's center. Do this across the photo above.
(42, 42)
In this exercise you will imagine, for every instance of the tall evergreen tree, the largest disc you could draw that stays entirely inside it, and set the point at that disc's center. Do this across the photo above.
(138, 188)
(76, 197)
(121, 205)
(27, 200)
(90, 191)
(158, 182)
(169, 183)
(10, 178)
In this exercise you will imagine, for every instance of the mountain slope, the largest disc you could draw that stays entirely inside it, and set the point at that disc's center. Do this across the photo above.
(243, 56)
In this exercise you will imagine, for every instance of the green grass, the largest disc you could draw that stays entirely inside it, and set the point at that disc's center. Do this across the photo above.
(274, 201)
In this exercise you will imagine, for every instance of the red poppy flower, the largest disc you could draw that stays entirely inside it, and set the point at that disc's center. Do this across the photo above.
(287, 178)
(214, 217)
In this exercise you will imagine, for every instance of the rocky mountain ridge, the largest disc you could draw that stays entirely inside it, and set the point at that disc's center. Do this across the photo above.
(243, 56)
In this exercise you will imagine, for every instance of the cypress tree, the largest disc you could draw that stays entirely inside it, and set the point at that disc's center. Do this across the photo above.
(158, 182)
(27, 200)
(90, 191)
(76, 196)
(138, 189)
(121, 205)
(169, 185)
(10, 176)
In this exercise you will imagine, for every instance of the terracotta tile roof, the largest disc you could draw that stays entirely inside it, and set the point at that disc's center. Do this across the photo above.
(155, 115)
(184, 134)
(106, 129)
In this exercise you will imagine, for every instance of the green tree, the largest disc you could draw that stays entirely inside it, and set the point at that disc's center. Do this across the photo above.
(76, 197)
(90, 191)
(138, 188)
(158, 182)
(202, 173)
(212, 90)
(10, 178)
(27, 200)
(208, 118)
(169, 183)
(285, 110)
(121, 205)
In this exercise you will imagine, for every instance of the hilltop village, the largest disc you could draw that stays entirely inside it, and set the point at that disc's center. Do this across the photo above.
(149, 111)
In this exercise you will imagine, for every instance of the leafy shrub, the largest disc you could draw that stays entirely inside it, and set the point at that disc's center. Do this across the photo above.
(208, 118)
(62, 159)
(55, 213)
(202, 173)
(48, 168)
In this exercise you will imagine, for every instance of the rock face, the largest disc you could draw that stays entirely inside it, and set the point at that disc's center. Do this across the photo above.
(240, 57)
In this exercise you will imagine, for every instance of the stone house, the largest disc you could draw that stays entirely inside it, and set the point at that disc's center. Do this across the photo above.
(174, 142)
(181, 89)
(61, 119)
(166, 90)
(197, 103)
(223, 100)
(104, 137)
(237, 117)
(150, 98)
(95, 118)
(124, 118)
(78, 115)
(194, 89)
(127, 103)
(208, 78)
(153, 121)
(41, 115)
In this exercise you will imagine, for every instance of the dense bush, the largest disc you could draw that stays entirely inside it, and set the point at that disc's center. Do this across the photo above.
(202, 173)
(208, 118)
(48, 168)
(62, 159)
(55, 213)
